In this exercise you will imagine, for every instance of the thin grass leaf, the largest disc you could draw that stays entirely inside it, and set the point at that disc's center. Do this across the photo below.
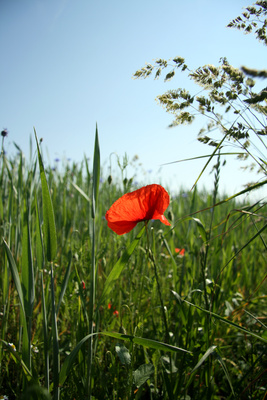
(152, 344)
(201, 229)
(27, 280)
(209, 160)
(96, 174)
(248, 189)
(225, 370)
(80, 191)
(96, 179)
(226, 321)
(26, 345)
(50, 236)
(16, 355)
(206, 156)
(204, 357)
(27, 276)
(40, 251)
(40, 255)
(56, 357)
(245, 245)
(65, 282)
(118, 268)
(15, 276)
(45, 335)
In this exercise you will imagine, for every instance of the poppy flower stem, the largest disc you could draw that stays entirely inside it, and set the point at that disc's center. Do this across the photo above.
(152, 259)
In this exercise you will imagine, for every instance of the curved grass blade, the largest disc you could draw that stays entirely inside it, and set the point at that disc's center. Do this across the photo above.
(225, 370)
(80, 191)
(206, 156)
(204, 357)
(64, 283)
(15, 276)
(150, 343)
(245, 245)
(153, 344)
(118, 267)
(209, 160)
(50, 236)
(248, 189)
(15, 354)
(26, 346)
(226, 321)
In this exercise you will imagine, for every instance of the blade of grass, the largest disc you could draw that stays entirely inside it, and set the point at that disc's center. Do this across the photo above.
(48, 212)
(226, 321)
(15, 275)
(56, 357)
(118, 268)
(96, 179)
(40, 263)
(65, 282)
(16, 356)
(27, 277)
(149, 343)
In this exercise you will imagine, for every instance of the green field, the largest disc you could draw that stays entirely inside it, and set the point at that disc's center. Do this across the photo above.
(164, 325)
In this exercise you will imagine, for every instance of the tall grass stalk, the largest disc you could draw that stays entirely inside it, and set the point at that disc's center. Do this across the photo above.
(95, 190)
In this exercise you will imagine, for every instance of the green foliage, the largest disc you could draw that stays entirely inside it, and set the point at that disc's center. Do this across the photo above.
(221, 275)
(177, 314)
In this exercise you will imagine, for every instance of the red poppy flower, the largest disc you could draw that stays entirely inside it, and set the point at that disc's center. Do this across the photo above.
(143, 204)
(180, 251)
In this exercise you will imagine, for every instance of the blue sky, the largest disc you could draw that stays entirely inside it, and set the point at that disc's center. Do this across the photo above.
(67, 65)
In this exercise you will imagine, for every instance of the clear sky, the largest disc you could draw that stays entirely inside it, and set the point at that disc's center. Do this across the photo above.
(67, 65)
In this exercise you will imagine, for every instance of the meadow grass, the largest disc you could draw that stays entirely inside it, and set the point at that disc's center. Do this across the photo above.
(95, 315)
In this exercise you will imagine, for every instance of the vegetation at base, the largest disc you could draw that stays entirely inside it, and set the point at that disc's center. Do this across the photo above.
(214, 295)
(178, 313)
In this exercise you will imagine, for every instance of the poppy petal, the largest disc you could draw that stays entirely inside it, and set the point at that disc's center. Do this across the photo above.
(148, 202)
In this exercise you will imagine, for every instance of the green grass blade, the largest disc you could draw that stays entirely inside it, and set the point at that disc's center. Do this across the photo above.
(80, 191)
(152, 344)
(210, 158)
(245, 245)
(96, 174)
(204, 357)
(226, 321)
(206, 156)
(56, 357)
(40, 251)
(27, 280)
(27, 276)
(48, 212)
(26, 345)
(118, 267)
(16, 356)
(225, 370)
(45, 335)
(64, 283)
(15, 276)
